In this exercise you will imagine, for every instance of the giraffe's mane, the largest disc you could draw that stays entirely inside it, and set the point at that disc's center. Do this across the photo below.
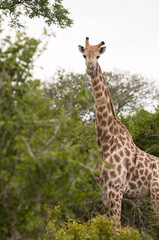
(124, 128)
(111, 105)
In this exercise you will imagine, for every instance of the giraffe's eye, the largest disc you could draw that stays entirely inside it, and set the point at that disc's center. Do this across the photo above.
(84, 56)
(98, 57)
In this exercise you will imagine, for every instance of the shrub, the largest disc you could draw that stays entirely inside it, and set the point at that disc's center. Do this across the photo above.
(98, 228)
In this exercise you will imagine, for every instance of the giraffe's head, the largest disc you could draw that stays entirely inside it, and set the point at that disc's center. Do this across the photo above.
(91, 53)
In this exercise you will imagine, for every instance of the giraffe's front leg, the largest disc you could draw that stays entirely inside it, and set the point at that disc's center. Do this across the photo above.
(115, 196)
(112, 198)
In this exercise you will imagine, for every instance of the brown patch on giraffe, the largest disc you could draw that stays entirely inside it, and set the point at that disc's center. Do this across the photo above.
(113, 148)
(143, 178)
(96, 88)
(118, 180)
(132, 185)
(99, 143)
(105, 187)
(101, 108)
(110, 184)
(103, 123)
(112, 204)
(141, 171)
(111, 160)
(110, 119)
(121, 152)
(102, 138)
(116, 157)
(127, 152)
(105, 175)
(111, 213)
(127, 138)
(139, 183)
(113, 174)
(99, 131)
(105, 114)
(113, 194)
(128, 176)
(119, 168)
(119, 146)
(122, 132)
(99, 116)
(106, 155)
(146, 172)
(146, 183)
(131, 169)
(105, 147)
(106, 93)
(142, 154)
(135, 176)
(110, 194)
(127, 163)
(108, 107)
(98, 95)
(115, 130)
(103, 80)
(118, 204)
(106, 138)
(122, 140)
(146, 164)
(95, 82)
(111, 129)
(149, 176)
(97, 71)
(117, 187)
(100, 77)
(154, 165)
(140, 165)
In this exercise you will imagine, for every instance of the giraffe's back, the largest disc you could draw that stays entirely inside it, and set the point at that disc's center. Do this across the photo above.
(140, 175)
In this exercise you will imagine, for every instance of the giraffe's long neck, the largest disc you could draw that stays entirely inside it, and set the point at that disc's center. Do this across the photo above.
(106, 122)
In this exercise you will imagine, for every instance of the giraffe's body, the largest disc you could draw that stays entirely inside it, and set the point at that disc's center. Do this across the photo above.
(135, 173)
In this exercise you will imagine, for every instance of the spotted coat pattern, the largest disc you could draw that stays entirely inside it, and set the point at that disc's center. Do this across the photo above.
(135, 173)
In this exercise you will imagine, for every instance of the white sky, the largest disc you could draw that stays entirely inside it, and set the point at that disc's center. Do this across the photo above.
(130, 29)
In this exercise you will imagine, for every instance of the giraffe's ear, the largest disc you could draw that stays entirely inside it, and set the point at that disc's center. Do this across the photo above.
(102, 50)
(81, 48)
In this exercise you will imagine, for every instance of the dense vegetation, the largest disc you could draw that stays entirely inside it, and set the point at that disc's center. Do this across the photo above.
(52, 12)
(48, 149)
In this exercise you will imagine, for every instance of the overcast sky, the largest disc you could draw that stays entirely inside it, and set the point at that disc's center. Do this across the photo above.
(129, 28)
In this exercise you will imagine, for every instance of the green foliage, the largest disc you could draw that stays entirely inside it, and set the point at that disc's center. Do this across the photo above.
(72, 92)
(129, 91)
(51, 13)
(97, 228)
(39, 164)
(84, 134)
(139, 214)
(144, 128)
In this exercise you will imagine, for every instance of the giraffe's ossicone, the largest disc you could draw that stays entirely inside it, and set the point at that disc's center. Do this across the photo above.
(135, 173)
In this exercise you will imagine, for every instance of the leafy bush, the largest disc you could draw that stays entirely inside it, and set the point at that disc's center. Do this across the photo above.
(39, 163)
(97, 228)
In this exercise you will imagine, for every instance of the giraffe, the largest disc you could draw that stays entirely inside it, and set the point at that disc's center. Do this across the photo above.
(135, 173)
